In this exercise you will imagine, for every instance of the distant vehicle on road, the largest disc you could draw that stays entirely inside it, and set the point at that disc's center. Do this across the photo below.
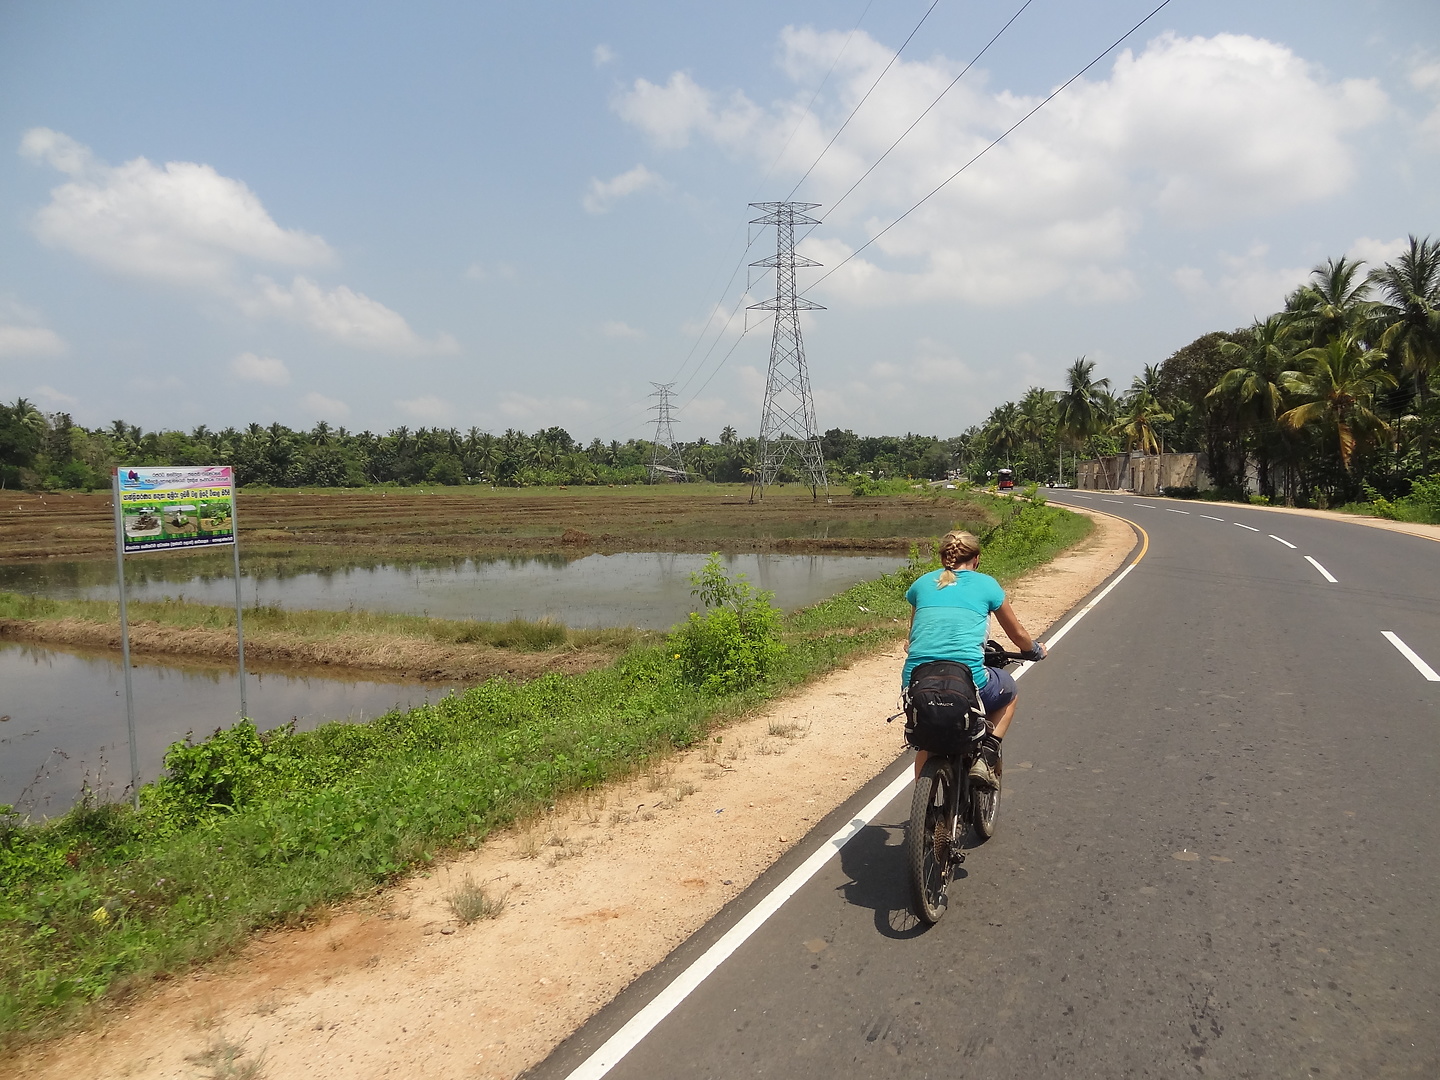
(1006, 480)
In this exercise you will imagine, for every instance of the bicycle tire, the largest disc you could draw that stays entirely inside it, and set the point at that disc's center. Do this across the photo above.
(928, 842)
(985, 805)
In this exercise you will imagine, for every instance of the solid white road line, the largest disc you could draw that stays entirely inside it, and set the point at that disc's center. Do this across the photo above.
(634, 1031)
(1410, 654)
(1282, 540)
(1171, 511)
(1250, 527)
(1208, 517)
(1323, 572)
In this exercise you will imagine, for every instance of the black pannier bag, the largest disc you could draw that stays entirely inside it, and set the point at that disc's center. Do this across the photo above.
(942, 708)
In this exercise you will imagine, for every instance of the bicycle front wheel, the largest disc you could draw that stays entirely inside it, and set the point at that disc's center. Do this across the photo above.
(931, 836)
(985, 804)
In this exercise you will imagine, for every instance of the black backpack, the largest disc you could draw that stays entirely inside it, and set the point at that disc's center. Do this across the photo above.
(942, 708)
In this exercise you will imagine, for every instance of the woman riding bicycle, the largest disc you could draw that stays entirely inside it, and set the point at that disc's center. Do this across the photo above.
(950, 621)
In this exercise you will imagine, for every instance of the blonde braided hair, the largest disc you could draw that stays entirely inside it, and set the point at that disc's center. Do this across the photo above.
(956, 549)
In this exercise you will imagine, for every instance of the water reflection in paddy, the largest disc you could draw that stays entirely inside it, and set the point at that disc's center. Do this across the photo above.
(650, 590)
(66, 716)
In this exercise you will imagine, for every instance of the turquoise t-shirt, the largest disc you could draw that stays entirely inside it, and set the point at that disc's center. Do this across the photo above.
(952, 623)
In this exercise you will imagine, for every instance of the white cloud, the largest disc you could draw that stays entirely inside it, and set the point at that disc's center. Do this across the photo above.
(21, 332)
(30, 341)
(478, 271)
(1247, 286)
(55, 399)
(526, 410)
(426, 409)
(1192, 131)
(324, 408)
(603, 55)
(261, 369)
(343, 315)
(187, 225)
(1426, 79)
(183, 222)
(617, 329)
(603, 194)
(1374, 252)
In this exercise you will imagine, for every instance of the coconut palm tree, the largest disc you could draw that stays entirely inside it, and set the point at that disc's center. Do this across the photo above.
(1004, 428)
(1084, 405)
(1137, 422)
(1410, 310)
(1253, 388)
(1336, 301)
(1336, 389)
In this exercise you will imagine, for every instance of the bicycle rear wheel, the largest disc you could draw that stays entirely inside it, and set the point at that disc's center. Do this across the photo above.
(931, 837)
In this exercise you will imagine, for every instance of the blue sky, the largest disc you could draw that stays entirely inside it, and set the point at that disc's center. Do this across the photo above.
(521, 214)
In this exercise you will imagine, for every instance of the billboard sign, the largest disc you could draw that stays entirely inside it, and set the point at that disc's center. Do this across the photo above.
(164, 508)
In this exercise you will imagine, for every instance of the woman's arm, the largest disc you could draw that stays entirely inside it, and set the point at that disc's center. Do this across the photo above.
(1005, 614)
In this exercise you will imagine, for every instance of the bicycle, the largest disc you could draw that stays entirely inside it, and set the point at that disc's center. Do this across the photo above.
(944, 806)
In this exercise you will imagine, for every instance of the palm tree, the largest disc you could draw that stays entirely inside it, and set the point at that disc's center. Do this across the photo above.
(728, 436)
(1410, 310)
(1337, 388)
(1253, 388)
(1082, 406)
(1335, 302)
(1137, 423)
(1003, 428)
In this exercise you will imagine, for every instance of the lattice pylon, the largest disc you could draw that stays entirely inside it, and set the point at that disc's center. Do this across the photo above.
(665, 457)
(787, 421)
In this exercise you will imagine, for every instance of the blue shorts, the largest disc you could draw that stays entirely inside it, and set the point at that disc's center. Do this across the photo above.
(998, 691)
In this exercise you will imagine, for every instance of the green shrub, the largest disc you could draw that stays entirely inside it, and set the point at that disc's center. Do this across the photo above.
(736, 642)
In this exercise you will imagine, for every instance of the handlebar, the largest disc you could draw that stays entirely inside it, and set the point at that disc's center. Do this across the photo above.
(997, 656)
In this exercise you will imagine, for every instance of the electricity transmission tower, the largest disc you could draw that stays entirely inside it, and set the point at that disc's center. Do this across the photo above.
(787, 422)
(665, 459)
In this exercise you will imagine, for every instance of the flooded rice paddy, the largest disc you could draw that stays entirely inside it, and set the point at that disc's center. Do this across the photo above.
(649, 590)
(65, 709)
(64, 715)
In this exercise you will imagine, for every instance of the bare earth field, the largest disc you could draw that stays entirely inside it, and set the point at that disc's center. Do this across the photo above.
(462, 521)
(597, 892)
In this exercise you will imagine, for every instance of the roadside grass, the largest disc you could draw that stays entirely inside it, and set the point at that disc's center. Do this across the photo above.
(251, 829)
(520, 634)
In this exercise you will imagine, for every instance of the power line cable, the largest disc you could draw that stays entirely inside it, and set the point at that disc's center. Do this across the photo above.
(973, 61)
(935, 190)
(862, 101)
(778, 157)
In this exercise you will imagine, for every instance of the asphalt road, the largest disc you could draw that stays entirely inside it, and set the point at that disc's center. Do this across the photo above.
(1218, 850)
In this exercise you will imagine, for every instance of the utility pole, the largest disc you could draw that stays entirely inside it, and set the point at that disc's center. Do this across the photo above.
(787, 421)
(665, 459)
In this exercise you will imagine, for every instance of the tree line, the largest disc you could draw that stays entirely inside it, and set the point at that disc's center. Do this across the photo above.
(1327, 401)
(51, 452)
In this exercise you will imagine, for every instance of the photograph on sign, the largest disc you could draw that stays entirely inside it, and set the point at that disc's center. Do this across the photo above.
(176, 507)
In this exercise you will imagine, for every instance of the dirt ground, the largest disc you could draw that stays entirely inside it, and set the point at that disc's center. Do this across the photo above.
(462, 521)
(596, 892)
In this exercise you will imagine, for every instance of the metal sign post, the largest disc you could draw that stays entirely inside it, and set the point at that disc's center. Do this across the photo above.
(160, 509)
(125, 644)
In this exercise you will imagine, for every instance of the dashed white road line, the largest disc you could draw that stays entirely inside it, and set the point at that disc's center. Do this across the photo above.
(1087, 498)
(634, 1030)
(1147, 506)
(1168, 510)
(1323, 572)
(1250, 527)
(1282, 540)
(1410, 654)
(1209, 518)
(1117, 502)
